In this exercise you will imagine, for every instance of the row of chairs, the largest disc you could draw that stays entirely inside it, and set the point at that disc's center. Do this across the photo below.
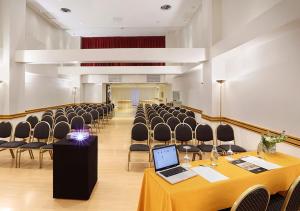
(193, 137)
(257, 198)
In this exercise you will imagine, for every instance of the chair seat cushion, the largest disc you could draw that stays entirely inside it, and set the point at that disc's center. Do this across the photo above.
(2, 142)
(158, 146)
(48, 146)
(275, 203)
(205, 147)
(33, 145)
(139, 147)
(13, 144)
(192, 149)
(234, 148)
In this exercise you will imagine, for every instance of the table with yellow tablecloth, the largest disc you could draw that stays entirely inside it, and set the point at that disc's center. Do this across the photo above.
(197, 194)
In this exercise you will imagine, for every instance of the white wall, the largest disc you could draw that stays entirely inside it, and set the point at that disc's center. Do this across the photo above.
(125, 93)
(44, 87)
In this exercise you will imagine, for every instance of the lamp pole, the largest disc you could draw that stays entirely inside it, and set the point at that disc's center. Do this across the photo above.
(74, 92)
(221, 82)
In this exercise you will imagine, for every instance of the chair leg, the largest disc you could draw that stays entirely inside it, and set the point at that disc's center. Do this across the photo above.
(17, 154)
(149, 159)
(128, 163)
(41, 158)
(20, 152)
(12, 153)
(31, 154)
(51, 154)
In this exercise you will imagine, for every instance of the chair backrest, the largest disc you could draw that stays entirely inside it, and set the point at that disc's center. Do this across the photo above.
(190, 113)
(139, 132)
(171, 110)
(182, 110)
(89, 109)
(152, 116)
(173, 122)
(81, 112)
(22, 130)
(61, 119)
(58, 114)
(50, 112)
(95, 114)
(70, 116)
(162, 132)
(167, 116)
(183, 132)
(177, 108)
(255, 198)
(140, 115)
(6, 129)
(47, 114)
(61, 130)
(181, 116)
(175, 113)
(225, 133)
(292, 199)
(204, 133)
(33, 120)
(41, 131)
(48, 119)
(70, 111)
(77, 123)
(139, 120)
(88, 118)
(191, 122)
(155, 121)
(162, 113)
(100, 112)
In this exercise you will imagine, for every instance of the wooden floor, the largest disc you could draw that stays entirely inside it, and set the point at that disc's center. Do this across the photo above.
(30, 188)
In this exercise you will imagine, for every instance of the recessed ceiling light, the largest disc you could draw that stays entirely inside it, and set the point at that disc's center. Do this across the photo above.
(166, 7)
(64, 9)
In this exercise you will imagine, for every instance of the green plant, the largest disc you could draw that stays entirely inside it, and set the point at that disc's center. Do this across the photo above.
(271, 140)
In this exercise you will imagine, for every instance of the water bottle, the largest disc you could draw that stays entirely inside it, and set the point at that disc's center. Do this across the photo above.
(214, 155)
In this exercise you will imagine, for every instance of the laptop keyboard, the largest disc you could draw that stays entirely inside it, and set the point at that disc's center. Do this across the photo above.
(173, 171)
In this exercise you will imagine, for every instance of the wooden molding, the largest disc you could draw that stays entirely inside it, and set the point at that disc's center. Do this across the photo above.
(13, 116)
(295, 141)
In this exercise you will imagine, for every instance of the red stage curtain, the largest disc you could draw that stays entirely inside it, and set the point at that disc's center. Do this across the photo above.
(123, 42)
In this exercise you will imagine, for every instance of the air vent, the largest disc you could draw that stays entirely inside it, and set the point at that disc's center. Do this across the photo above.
(153, 78)
(115, 78)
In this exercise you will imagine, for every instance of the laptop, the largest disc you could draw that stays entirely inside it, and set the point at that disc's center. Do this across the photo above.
(167, 165)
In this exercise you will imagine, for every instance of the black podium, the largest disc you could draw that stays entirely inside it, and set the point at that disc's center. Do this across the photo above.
(75, 168)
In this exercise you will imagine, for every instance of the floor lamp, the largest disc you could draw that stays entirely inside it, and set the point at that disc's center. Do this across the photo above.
(74, 93)
(221, 82)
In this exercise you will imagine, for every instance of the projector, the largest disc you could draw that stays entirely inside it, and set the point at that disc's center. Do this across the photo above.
(78, 136)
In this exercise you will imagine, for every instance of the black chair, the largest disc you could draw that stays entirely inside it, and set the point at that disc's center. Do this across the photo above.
(22, 131)
(190, 114)
(171, 110)
(291, 202)
(182, 110)
(162, 133)
(155, 121)
(184, 134)
(152, 116)
(77, 123)
(33, 120)
(101, 115)
(70, 116)
(47, 114)
(48, 119)
(175, 113)
(61, 119)
(60, 132)
(255, 198)
(204, 133)
(81, 112)
(177, 108)
(162, 113)
(191, 122)
(59, 114)
(173, 122)
(225, 134)
(41, 133)
(167, 116)
(140, 120)
(96, 119)
(140, 134)
(181, 117)
(88, 122)
(6, 130)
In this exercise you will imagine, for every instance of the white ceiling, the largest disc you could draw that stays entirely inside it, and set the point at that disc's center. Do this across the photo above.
(118, 17)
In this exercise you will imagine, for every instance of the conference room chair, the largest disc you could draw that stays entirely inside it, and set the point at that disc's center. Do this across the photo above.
(190, 114)
(59, 114)
(140, 120)
(96, 119)
(81, 112)
(140, 115)
(139, 142)
(101, 116)
(162, 133)
(50, 112)
(255, 198)
(167, 116)
(171, 110)
(40, 137)
(204, 134)
(162, 113)
(177, 108)
(151, 117)
(60, 132)
(225, 133)
(160, 110)
(105, 114)
(48, 119)
(184, 134)
(47, 114)
(173, 122)
(290, 202)
(154, 121)
(181, 117)
(70, 111)
(61, 119)
(89, 109)
(77, 123)
(6, 130)
(70, 116)
(89, 124)
(33, 120)
(21, 136)
(182, 110)
(175, 113)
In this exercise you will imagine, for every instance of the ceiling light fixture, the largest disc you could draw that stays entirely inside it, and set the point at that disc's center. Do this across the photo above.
(166, 7)
(64, 9)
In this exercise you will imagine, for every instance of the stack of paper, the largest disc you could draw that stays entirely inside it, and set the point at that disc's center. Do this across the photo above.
(209, 174)
(260, 162)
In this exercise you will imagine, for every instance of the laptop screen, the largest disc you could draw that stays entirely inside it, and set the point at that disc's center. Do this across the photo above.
(165, 157)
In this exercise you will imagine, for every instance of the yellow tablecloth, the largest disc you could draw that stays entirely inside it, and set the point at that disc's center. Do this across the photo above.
(197, 194)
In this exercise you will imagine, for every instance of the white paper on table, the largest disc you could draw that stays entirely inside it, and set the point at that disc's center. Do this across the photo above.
(260, 162)
(209, 174)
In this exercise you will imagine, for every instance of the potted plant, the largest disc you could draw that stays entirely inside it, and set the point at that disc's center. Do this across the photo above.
(269, 141)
